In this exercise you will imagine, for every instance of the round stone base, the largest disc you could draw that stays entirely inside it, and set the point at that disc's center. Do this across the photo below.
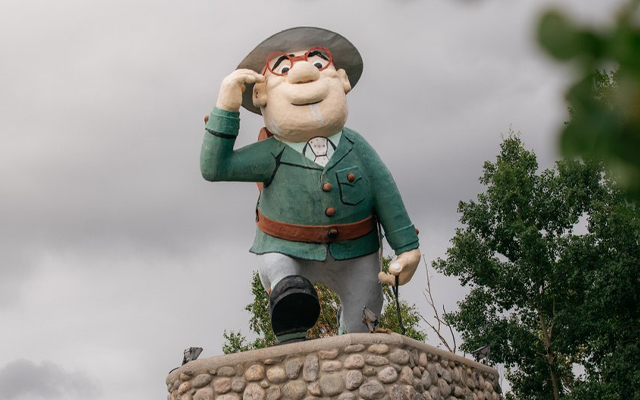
(347, 367)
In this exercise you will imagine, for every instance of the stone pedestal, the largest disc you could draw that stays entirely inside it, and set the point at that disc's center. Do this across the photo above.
(347, 367)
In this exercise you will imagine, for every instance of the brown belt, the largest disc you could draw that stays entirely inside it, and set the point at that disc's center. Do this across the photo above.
(315, 233)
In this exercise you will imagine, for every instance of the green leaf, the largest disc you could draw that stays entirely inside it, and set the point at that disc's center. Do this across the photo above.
(559, 37)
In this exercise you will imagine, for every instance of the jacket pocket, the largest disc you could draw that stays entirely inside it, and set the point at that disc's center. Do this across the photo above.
(352, 185)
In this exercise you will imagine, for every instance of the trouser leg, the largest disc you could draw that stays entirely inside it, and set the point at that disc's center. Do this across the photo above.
(275, 266)
(355, 281)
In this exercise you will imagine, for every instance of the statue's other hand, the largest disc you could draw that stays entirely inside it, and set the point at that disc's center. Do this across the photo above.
(404, 267)
(230, 95)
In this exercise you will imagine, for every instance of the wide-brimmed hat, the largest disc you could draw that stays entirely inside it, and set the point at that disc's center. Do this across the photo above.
(345, 55)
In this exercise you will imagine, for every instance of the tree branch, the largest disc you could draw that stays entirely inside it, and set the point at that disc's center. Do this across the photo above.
(439, 321)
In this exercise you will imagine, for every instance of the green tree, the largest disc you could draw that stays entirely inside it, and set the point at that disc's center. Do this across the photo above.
(543, 294)
(605, 124)
(327, 324)
(607, 328)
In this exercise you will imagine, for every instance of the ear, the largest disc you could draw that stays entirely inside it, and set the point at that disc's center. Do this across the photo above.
(342, 75)
(260, 94)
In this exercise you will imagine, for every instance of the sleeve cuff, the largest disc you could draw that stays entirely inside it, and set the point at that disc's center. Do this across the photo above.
(223, 121)
(403, 239)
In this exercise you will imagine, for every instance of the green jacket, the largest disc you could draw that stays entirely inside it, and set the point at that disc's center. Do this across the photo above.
(293, 193)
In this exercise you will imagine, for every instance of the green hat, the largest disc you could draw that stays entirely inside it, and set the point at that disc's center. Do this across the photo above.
(345, 55)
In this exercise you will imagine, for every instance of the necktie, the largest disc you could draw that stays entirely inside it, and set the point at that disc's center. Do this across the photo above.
(319, 150)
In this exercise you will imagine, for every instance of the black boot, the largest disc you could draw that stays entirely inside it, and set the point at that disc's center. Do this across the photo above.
(294, 308)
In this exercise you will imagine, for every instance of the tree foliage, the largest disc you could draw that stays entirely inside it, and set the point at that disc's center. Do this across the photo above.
(551, 259)
(605, 124)
(327, 324)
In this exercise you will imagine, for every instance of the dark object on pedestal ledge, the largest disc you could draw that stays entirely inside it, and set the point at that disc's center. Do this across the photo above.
(191, 354)
(370, 319)
(482, 353)
(294, 308)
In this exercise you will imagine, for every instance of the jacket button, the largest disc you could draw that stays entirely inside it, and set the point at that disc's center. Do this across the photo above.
(206, 119)
(332, 233)
(326, 187)
(351, 177)
(330, 212)
(417, 231)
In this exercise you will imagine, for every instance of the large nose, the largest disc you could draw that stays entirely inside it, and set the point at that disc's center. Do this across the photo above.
(303, 72)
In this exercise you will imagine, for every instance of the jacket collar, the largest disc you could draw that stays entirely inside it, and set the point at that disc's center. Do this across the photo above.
(291, 157)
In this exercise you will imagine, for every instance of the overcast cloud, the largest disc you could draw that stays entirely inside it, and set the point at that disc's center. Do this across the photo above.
(23, 380)
(115, 253)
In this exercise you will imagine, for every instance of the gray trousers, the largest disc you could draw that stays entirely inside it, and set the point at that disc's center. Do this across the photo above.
(355, 281)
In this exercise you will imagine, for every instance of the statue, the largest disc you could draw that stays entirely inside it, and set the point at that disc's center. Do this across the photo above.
(325, 194)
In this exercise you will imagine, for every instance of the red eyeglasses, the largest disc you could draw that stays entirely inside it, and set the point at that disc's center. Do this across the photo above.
(280, 63)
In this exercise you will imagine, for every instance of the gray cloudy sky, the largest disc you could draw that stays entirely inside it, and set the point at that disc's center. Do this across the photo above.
(115, 254)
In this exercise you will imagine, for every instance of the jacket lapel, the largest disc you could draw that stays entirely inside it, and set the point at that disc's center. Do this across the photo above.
(291, 157)
(344, 147)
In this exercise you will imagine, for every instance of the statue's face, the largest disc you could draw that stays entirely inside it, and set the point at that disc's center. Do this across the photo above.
(302, 96)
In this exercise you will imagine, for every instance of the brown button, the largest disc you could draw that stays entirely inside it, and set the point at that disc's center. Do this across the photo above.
(417, 231)
(351, 177)
(326, 187)
(332, 233)
(330, 212)
(206, 118)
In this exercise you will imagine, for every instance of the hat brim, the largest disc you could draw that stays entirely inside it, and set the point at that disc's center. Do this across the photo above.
(345, 55)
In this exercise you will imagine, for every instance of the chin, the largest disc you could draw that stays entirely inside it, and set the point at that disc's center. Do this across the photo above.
(306, 122)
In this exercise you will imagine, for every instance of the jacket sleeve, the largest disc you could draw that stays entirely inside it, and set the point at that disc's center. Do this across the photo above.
(220, 162)
(389, 207)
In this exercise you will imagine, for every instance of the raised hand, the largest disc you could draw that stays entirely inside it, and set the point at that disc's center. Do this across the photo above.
(230, 95)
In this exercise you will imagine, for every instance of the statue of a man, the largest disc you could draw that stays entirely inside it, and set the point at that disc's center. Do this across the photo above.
(324, 190)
